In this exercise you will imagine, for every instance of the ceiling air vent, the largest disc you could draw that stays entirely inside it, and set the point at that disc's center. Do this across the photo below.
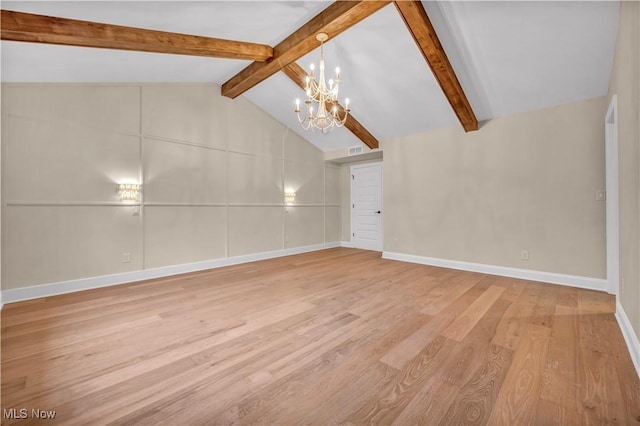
(355, 150)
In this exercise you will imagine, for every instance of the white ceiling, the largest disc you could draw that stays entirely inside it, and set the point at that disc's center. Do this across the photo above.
(510, 56)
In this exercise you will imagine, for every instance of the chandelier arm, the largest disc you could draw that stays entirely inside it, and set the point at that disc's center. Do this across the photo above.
(340, 115)
(305, 123)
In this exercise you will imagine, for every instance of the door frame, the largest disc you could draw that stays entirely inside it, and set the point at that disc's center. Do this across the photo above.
(612, 206)
(363, 166)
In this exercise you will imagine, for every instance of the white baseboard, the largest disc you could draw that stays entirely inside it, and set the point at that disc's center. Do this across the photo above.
(347, 244)
(629, 336)
(525, 274)
(52, 289)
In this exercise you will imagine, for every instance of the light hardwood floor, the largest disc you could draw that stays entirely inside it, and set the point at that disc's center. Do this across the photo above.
(336, 336)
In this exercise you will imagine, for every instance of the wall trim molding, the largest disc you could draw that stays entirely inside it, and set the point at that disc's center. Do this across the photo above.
(36, 203)
(630, 337)
(347, 244)
(525, 274)
(62, 287)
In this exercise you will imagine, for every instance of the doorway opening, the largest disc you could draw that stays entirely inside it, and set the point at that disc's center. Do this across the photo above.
(366, 206)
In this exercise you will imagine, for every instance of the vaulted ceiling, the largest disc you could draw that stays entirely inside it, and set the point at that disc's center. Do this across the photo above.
(509, 56)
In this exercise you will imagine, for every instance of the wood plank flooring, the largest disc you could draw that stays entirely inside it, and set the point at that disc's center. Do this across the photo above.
(339, 336)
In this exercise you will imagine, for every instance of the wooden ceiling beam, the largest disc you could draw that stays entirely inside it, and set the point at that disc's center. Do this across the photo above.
(336, 18)
(417, 21)
(27, 27)
(296, 73)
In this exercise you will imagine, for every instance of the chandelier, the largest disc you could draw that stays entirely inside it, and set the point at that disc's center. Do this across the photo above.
(327, 114)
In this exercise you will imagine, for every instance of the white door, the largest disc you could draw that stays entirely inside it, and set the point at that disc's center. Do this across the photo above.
(366, 206)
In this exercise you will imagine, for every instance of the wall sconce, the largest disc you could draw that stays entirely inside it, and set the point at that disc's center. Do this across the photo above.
(289, 197)
(129, 191)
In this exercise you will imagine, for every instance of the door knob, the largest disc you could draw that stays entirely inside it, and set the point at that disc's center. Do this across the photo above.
(378, 212)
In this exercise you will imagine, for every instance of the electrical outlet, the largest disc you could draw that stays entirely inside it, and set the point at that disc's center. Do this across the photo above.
(601, 195)
(136, 210)
(524, 255)
(126, 257)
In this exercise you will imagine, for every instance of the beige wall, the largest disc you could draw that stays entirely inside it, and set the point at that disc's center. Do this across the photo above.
(522, 182)
(213, 172)
(625, 83)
